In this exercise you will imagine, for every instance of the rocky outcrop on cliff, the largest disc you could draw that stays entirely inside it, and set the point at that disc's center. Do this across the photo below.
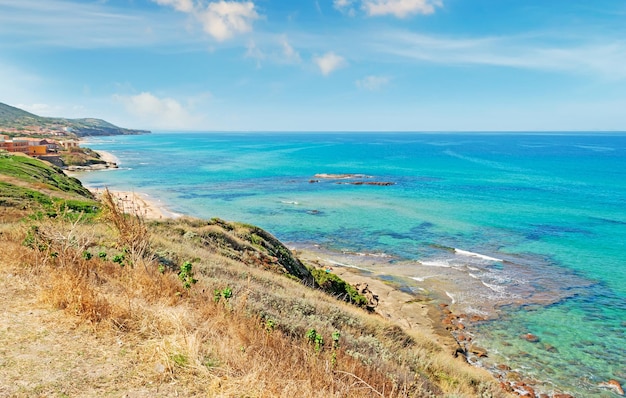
(246, 243)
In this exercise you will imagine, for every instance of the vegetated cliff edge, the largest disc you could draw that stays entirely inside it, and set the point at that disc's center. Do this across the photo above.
(109, 303)
(20, 120)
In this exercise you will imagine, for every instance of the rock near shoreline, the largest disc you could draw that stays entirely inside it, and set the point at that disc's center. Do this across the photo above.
(93, 167)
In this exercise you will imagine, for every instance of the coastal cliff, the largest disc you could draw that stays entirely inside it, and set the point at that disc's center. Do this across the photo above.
(189, 307)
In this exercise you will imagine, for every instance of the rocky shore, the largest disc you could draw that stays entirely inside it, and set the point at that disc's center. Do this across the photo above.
(92, 167)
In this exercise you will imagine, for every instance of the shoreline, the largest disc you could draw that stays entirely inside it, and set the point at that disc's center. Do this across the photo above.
(131, 202)
(423, 312)
(137, 204)
(107, 157)
(414, 312)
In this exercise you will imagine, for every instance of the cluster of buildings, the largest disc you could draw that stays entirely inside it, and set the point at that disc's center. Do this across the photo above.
(35, 146)
(57, 131)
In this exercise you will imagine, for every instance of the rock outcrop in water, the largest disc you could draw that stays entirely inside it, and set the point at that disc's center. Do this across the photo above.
(324, 176)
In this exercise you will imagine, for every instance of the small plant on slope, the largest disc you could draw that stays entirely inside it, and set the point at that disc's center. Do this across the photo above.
(186, 275)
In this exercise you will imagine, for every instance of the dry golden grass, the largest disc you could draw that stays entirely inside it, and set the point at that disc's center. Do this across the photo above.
(156, 338)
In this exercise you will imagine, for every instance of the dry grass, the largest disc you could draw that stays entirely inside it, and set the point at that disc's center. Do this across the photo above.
(157, 338)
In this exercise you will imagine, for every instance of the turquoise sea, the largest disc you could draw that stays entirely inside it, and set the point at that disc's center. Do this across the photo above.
(526, 229)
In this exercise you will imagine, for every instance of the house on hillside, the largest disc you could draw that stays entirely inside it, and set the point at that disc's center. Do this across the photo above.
(53, 146)
(69, 144)
(29, 146)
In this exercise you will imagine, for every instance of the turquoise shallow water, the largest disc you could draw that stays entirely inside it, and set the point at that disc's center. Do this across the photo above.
(546, 213)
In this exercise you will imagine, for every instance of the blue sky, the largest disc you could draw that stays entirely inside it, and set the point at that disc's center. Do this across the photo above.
(319, 65)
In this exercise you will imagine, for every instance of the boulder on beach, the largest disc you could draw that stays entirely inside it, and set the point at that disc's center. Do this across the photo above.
(372, 299)
(478, 351)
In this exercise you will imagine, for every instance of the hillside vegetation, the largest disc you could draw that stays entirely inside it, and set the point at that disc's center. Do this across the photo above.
(15, 118)
(97, 302)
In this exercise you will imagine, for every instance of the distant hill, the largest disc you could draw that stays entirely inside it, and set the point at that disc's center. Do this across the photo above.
(15, 118)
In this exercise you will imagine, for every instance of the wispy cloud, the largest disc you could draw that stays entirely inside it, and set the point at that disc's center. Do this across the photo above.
(329, 62)
(397, 8)
(290, 55)
(605, 59)
(345, 6)
(276, 49)
(179, 5)
(400, 8)
(220, 19)
(372, 83)
(79, 25)
(253, 51)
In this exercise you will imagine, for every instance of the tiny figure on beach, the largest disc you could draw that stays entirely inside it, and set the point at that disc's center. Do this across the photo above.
(328, 270)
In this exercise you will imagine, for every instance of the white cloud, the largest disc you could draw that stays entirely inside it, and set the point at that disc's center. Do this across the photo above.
(155, 112)
(372, 83)
(179, 5)
(400, 8)
(329, 62)
(224, 19)
(220, 19)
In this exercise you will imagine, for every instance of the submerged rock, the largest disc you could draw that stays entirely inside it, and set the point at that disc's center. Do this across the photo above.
(614, 385)
(530, 337)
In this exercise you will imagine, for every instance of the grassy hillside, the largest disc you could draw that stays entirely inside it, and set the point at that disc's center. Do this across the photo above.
(111, 304)
(12, 117)
(29, 186)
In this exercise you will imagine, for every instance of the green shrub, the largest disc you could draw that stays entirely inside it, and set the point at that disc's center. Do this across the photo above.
(339, 288)
(186, 275)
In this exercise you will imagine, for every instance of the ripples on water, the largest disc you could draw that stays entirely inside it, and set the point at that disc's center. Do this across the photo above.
(538, 222)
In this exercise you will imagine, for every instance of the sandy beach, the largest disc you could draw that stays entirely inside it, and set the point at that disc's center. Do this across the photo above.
(131, 202)
(108, 157)
(138, 204)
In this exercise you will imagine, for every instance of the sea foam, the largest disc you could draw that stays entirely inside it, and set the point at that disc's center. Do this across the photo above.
(476, 255)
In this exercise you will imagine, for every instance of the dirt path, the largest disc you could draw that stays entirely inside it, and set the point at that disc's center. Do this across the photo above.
(45, 352)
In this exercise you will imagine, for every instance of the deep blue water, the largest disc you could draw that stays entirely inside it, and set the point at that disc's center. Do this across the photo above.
(552, 207)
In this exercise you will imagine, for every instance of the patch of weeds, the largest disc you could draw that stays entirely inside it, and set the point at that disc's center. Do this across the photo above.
(225, 294)
(270, 325)
(180, 360)
(119, 259)
(186, 275)
(209, 362)
(336, 335)
(315, 339)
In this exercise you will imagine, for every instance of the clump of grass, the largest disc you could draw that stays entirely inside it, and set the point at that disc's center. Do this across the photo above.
(131, 229)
